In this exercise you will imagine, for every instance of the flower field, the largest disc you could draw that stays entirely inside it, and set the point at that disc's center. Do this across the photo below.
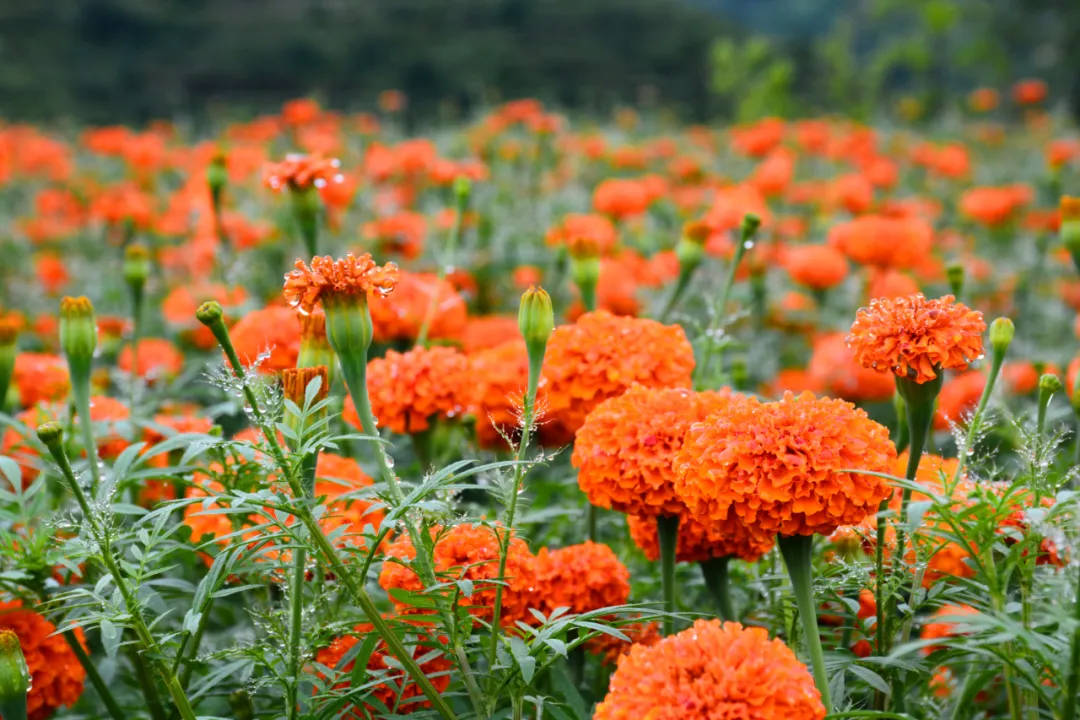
(540, 416)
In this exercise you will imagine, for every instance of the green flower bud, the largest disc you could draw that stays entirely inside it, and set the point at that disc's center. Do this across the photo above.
(536, 319)
(1049, 383)
(210, 313)
(78, 335)
(1001, 334)
(955, 273)
(585, 271)
(9, 333)
(14, 677)
(51, 434)
(217, 177)
(306, 206)
(136, 265)
(750, 225)
(462, 190)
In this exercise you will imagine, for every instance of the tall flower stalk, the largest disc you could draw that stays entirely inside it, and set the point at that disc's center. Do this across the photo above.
(78, 338)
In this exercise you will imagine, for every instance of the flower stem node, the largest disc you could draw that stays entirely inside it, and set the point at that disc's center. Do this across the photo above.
(14, 677)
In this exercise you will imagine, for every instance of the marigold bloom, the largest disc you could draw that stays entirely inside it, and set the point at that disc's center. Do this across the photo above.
(958, 397)
(700, 541)
(819, 267)
(337, 479)
(832, 365)
(1030, 91)
(783, 467)
(299, 172)
(583, 578)
(994, 206)
(400, 316)
(621, 198)
(273, 332)
(489, 331)
(471, 552)
(40, 377)
(402, 233)
(883, 242)
(325, 277)
(56, 676)
(584, 235)
(601, 356)
(624, 450)
(939, 627)
(155, 358)
(890, 283)
(397, 693)
(915, 337)
(499, 376)
(712, 670)
(409, 389)
(611, 648)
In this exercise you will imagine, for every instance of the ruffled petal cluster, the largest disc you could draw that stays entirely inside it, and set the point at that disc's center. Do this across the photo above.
(400, 315)
(601, 356)
(56, 677)
(471, 552)
(409, 389)
(699, 541)
(356, 276)
(299, 172)
(710, 671)
(625, 448)
(396, 694)
(582, 577)
(784, 467)
(915, 337)
(498, 377)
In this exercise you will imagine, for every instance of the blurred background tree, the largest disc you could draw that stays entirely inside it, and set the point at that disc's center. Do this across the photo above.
(134, 60)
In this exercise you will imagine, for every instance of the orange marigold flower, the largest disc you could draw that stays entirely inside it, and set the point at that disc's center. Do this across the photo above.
(700, 541)
(890, 283)
(783, 467)
(337, 479)
(819, 267)
(958, 397)
(56, 677)
(624, 450)
(611, 648)
(489, 331)
(915, 337)
(498, 378)
(1030, 91)
(111, 440)
(833, 365)
(409, 389)
(994, 206)
(468, 552)
(583, 578)
(396, 693)
(305, 285)
(273, 332)
(401, 315)
(40, 377)
(621, 198)
(584, 235)
(402, 233)
(298, 172)
(883, 242)
(712, 670)
(946, 623)
(601, 356)
(155, 358)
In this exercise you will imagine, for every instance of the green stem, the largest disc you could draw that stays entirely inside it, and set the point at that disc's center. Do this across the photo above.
(681, 284)
(590, 520)
(797, 551)
(717, 579)
(452, 242)
(92, 673)
(667, 532)
(136, 332)
(1072, 683)
(80, 388)
(745, 239)
(142, 632)
(976, 419)
(296, 600)
(146, 683)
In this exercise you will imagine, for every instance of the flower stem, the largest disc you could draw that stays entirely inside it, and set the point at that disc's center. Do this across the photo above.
(797, 551)
(80, 388)
(1072, 683)
(92, 673)
(667, 531)
(296, 600)
(715, 572)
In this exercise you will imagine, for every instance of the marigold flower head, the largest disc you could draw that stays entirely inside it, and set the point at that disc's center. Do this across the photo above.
(338, 479)
(40, 377)
(819, 267)
(601, 356)
(401, 315)
(499, 376)
(299, 172)
(712, 670)
(471, 552)
(915, 337)
(155, 358)
(700, 541)
(397, 693)
(325, 277)
(484, 332)
(883, 242)
(611, 648)
(584, 235)
(624, 450)
(270, 335)
(940, 627)
(784, 467)
(57, 678)
(410, 389)
(583, 578)
(833, 367)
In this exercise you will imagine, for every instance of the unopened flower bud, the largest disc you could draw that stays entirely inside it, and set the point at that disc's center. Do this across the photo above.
(295, 383)
(14, 677)
(1070, 227)
(78, 335)
(136, 265)
(1001, 334)
(955, 274)
(217, 176)
(462, 190)
(690, 250)
(9, 333)
(536, 319)
(750, 225)
(315, 349)
(1049, 383)
(51, 434)
(585, 271)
